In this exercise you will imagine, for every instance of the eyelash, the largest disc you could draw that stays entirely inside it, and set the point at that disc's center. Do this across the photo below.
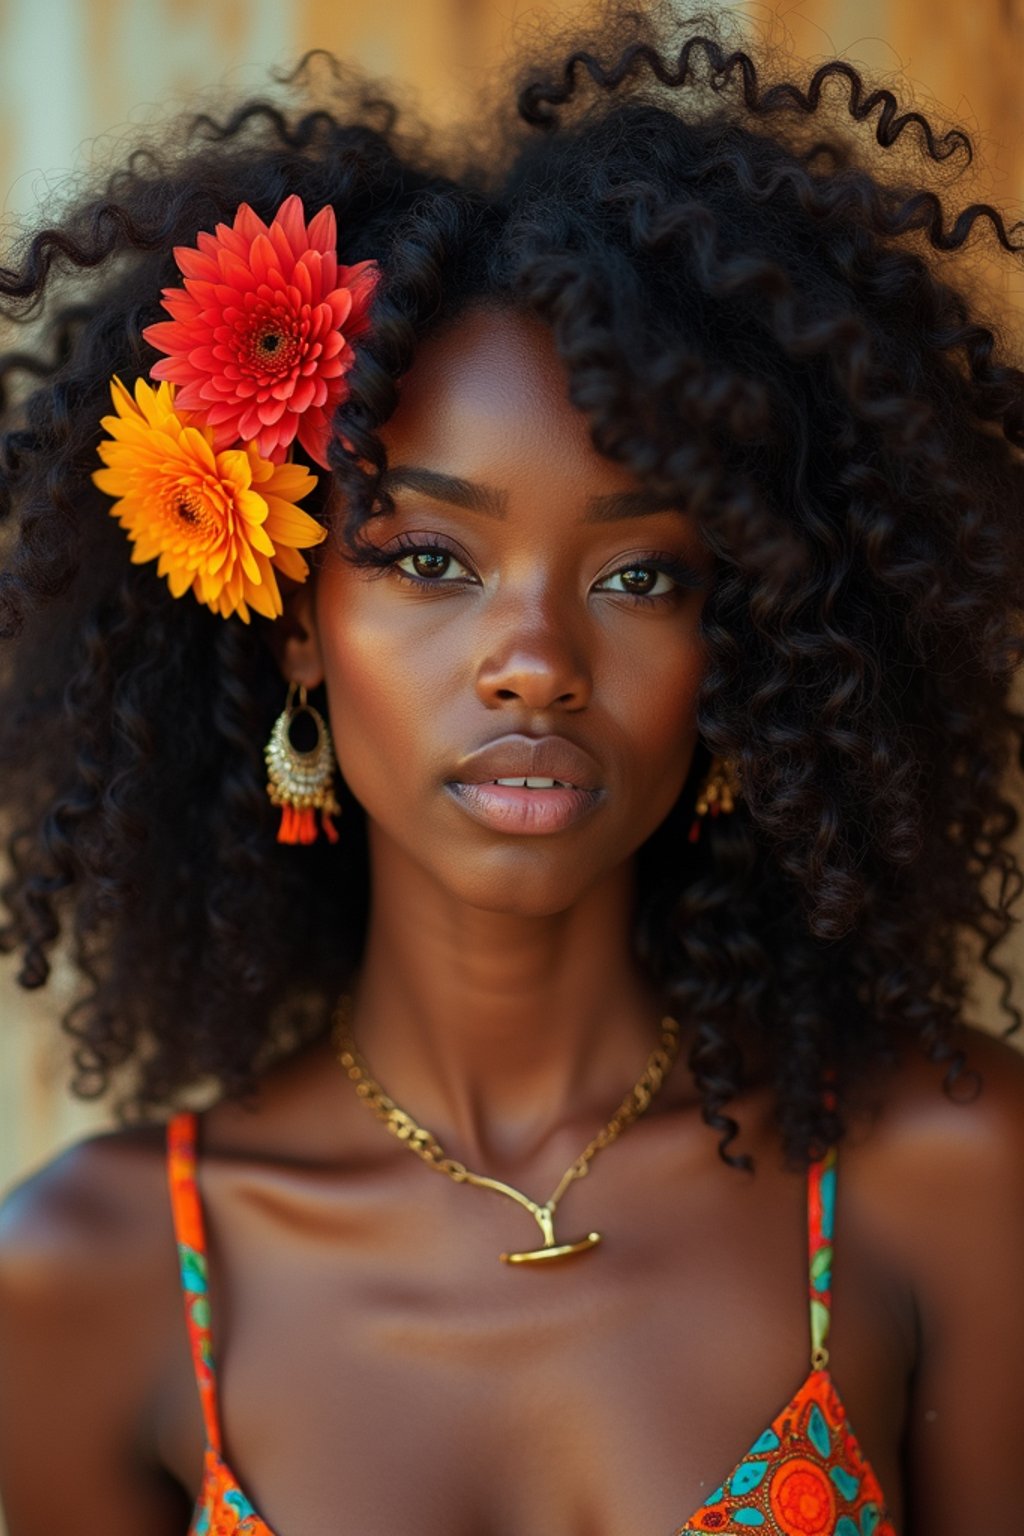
(407, 544)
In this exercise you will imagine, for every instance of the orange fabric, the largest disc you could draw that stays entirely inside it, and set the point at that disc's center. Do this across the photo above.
(805, 1475)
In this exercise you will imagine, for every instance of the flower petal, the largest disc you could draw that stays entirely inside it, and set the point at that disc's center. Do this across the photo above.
(290, 563)
(288, 524)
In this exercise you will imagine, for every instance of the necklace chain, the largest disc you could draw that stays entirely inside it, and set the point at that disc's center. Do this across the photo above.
(426, 1145)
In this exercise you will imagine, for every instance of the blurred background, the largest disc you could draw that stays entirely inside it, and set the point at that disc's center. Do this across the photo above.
(80, 78)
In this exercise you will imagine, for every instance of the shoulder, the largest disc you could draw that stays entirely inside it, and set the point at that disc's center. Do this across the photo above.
(966, 1127)
(87, 1251)
(931, 1195)
(90, 1357)
(933, 1172)
(95, 1199)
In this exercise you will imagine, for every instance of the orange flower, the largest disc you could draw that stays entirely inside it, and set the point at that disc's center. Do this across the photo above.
(260, 336)
(216, 522)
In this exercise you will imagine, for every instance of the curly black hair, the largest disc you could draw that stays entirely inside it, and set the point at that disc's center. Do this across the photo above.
(756, 304)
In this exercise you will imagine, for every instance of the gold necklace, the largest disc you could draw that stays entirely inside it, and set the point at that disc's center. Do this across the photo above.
(426, 1145)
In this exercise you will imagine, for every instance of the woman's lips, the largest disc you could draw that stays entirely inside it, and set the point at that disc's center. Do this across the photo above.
(520, 810)
(518, 807)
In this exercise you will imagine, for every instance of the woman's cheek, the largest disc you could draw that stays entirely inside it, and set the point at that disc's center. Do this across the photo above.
(380, 709)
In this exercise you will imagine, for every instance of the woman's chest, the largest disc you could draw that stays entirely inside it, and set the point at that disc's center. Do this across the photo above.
(422, 1386)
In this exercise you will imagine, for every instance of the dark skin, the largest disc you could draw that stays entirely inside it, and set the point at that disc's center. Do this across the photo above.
(380, 1370)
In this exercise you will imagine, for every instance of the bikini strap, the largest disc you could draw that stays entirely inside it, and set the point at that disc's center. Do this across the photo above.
(821, 1213)
(191, 1239)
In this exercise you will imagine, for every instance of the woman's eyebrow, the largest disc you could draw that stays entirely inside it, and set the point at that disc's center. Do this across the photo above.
(483, 498)
(439, 487)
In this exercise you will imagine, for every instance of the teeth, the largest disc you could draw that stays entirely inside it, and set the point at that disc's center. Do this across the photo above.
(528, 783)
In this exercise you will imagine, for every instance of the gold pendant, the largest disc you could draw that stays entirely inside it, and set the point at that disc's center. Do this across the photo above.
(544, 1216)
(553, 1251)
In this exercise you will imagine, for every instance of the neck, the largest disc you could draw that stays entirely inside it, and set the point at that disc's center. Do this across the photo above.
(497, 1030)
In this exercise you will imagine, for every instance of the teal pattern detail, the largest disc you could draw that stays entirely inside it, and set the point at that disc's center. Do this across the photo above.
(845, 1482)
(821, 1269)
(237, 1501)
(748, 1476)
(828, 1203)
(817, 1432)
(193, 1270)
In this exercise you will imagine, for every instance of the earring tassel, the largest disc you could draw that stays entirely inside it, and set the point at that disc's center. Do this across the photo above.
(330, 830)
(297, 826)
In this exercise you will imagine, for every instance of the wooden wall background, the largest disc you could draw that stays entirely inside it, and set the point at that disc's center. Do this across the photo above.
(76, 75)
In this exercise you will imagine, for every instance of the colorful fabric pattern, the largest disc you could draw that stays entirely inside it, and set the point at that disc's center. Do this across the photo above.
(821, 1220)
(804, 1476)
(221, 1508)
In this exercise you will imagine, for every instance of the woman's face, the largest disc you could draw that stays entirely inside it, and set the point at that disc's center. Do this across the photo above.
(510, 620)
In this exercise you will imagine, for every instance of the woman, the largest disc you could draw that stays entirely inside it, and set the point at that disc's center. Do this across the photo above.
(663, 601)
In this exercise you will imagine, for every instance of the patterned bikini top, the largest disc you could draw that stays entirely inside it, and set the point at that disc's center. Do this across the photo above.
(804, 1476)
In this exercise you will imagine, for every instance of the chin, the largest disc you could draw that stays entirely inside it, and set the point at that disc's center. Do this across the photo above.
(518, 882)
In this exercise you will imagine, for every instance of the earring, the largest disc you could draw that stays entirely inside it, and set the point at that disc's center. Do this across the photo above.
(300, 782)
(718, 793)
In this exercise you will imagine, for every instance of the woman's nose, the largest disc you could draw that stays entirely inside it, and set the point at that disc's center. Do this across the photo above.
(531, 657)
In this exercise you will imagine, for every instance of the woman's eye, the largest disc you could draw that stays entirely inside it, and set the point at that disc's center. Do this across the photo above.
(641, 581)
(428, 564)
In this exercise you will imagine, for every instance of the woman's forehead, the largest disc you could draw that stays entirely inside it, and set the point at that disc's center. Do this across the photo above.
(489, 397)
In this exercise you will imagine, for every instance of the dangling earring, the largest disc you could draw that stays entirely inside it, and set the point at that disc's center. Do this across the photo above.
(300, 782)
(717, 794)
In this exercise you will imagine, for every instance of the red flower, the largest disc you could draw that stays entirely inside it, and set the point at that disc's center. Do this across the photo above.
(259, 339)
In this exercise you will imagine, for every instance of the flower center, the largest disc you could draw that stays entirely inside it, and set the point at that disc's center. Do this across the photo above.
(187, 505)
(272, 349)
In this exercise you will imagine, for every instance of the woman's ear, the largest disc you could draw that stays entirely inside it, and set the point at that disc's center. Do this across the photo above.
(294, 639)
